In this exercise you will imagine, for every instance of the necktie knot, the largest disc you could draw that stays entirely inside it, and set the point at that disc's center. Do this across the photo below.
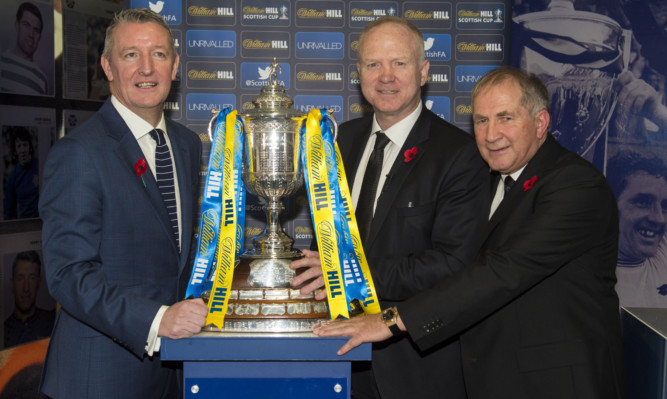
(381, 141)
(158, 136)
(508, 182)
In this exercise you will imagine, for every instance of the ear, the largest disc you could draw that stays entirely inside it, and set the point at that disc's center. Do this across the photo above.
(424, 72)
(106, 66)
(542, 120)
(174, 70)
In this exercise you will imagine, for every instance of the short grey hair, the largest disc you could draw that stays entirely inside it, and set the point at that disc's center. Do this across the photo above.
(135, 15)
(417, 34)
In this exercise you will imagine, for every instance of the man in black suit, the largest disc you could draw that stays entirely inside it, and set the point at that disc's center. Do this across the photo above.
(426, 206)
(536, 310)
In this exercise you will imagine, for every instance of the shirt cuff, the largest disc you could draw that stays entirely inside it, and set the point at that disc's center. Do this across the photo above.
(153, 341)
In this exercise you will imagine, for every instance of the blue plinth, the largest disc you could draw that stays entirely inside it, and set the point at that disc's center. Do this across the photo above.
(255, 365)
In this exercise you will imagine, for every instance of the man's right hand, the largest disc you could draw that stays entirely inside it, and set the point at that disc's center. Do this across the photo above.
(183, 319)
(311, 260)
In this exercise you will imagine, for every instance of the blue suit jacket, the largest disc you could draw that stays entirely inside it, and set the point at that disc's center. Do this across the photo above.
(110, 257)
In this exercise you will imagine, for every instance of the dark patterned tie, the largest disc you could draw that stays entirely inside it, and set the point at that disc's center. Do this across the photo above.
(509, 182)
(164, 175)
(369, 186)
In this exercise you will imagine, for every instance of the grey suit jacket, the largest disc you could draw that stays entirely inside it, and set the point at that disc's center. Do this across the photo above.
(111, 258)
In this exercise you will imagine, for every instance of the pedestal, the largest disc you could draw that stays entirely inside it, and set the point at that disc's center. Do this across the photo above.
(263, 365)
(645, 349)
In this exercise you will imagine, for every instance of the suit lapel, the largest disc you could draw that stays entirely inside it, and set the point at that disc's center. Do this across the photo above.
(355, 150)
(129, 153)
(399, 172)
(179, 148)
(537, 167)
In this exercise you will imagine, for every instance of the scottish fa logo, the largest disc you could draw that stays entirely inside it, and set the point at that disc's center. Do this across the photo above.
(157, 6)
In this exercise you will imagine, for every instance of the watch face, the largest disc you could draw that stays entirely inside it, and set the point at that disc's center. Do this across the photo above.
(388, 314)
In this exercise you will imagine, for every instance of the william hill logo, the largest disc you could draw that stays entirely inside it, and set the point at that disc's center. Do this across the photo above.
(302, 232)
(198, 74)
(307, 13)
(252, 231)
(438, 78)
(470, 47)
(464, 109)
(354, 77)
(171, 106)
(258, 10)
(359, 108)
(427, 15)
(304, 76)
(247, 106)
(256, 44)
(469, 14)
(200, 11)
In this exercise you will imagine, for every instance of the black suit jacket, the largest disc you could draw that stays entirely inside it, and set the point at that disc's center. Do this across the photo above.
(424, 226)
(536, 310)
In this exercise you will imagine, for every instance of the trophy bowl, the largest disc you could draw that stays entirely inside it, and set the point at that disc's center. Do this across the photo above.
(578, 55)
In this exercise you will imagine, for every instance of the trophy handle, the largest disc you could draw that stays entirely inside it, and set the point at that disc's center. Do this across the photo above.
(211, 123)
(333, 123)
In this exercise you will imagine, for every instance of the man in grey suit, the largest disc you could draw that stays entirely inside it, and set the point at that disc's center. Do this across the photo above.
(536, 309)
(115, 243)
(419, 225)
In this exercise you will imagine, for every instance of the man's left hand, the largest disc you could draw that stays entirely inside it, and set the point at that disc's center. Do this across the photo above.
(367, 328)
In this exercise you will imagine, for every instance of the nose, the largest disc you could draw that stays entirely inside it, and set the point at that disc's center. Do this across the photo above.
(147, 65)
(492, 132)
(657, 213)
(386, 73)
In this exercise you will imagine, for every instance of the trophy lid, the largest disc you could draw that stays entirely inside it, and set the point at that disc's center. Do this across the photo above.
(273, 101)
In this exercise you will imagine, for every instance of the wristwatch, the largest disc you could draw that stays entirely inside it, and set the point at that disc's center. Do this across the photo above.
(389, 317)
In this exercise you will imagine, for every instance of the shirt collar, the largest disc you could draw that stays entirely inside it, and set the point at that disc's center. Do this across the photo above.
(399, 131)
(138, 126)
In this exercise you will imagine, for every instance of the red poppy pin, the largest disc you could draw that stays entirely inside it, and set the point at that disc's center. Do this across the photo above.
(410, 154)
(140, 168)
(529, 183)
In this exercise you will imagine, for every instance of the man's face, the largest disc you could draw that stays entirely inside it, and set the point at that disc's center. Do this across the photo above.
(25, 285)
(390, 72)
(23, 152)
(141, 68)
(506, 135)
(642, 207)
(28, 33)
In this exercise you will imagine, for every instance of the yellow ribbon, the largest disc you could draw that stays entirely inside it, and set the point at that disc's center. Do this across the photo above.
(226, 250)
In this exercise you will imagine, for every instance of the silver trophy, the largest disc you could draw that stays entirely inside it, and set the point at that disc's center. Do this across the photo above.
(271, 167)
(262, 299)
(578, 55)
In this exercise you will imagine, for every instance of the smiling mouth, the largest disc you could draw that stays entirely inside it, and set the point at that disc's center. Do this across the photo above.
(649, 233)
(145, 85)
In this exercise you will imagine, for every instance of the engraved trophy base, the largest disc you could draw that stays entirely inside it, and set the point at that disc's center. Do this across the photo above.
(262, 300)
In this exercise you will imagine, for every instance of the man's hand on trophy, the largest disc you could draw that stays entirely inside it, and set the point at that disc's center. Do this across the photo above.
(183, 319)
(313, 271)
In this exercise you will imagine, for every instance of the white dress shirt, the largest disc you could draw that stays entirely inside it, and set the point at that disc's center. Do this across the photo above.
(397, 135)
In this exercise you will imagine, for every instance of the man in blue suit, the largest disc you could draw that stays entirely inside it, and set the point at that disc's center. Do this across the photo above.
(113, 258)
